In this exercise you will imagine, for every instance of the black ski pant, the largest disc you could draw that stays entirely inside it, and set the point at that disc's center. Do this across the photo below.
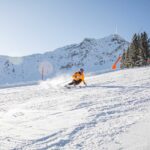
(75, 82)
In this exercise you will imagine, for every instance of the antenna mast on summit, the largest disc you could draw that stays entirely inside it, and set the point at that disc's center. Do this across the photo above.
(116, 30)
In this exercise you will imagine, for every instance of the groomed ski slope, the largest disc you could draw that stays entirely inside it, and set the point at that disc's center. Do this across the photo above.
(112, 113)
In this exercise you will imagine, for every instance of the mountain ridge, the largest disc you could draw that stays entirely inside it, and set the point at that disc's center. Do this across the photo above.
(91, 54)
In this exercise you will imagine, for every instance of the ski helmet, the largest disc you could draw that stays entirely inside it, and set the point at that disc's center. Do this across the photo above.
(81, 69)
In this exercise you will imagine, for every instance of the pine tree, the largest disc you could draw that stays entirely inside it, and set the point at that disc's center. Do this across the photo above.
(122, 65)
(145, 46)
(128, 63)
(134, 49)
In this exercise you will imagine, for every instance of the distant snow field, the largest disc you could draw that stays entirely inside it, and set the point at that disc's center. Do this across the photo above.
(111, 113)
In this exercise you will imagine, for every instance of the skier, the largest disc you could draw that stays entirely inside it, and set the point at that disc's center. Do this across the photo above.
(78, 77)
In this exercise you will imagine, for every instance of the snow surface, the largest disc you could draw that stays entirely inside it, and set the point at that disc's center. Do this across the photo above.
(112, 113)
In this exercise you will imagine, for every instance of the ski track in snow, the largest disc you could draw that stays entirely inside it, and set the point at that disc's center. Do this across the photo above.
(48, 116)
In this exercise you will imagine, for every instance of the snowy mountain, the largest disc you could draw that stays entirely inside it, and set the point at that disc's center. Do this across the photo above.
(91, 54)
(114, 115)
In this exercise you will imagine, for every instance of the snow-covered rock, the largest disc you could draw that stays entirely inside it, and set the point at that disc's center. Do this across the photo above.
(91, 54)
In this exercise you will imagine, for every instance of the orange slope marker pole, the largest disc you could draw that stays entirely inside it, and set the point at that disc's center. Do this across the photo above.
(114, 66)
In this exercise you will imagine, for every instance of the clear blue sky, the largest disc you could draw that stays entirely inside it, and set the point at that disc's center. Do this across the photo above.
(37, 26)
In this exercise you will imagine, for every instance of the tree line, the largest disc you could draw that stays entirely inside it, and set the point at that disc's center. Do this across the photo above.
(138, 53)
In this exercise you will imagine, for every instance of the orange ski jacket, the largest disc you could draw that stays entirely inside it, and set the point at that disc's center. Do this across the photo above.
(78, 76)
